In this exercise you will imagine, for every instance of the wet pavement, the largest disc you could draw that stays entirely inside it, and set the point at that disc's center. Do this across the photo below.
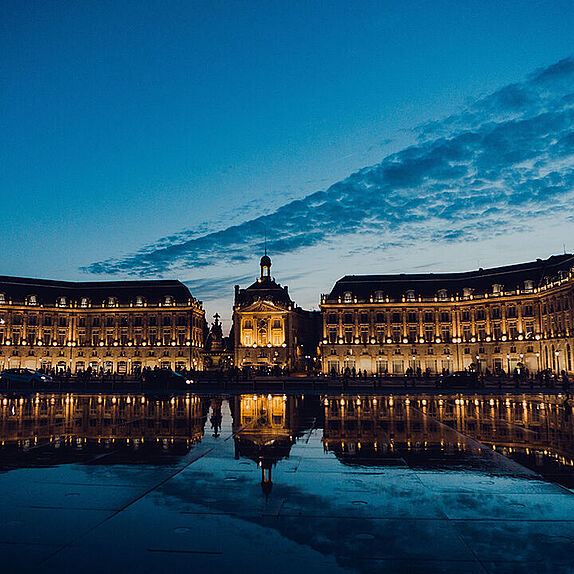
(279, 483)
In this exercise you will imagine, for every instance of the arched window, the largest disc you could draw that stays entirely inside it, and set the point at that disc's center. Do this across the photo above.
(442, 295)
(32, 300)
(379, 296)
(467, 291)
(497, 289)
(140, 301)
(168, 300)
(84, 302)
(347, 297)
(111, 302)
(528, 285)
(410, 295)
(2, 298)
(61, 302)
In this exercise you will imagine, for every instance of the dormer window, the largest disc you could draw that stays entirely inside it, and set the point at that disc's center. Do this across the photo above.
(111, 301)
(379, 296)
(497, 289)
(32, 300)
(84, 302)
(2, 298)
(410, 295)
(168, 300)
(139, 301)
(347, 297)
(442, 295)
(467, 291)
(61, 301)
(529, 285)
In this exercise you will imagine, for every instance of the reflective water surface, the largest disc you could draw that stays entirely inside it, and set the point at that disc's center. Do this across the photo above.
(425, 482)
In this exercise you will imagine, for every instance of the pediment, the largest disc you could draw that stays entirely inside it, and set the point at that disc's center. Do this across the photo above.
(262, 307)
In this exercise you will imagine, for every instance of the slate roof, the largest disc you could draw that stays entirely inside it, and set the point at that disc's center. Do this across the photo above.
(48, 291)
(263, 290)
(481, 281)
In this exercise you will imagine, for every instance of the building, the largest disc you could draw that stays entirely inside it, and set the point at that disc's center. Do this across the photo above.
(500, 319)
(269, 329)
(113, 327)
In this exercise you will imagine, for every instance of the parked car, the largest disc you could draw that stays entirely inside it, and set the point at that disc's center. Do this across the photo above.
(27, 376)
(459, 379)
(166, 378)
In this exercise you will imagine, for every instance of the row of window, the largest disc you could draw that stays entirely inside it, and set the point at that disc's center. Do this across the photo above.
(429, 334)
(110, 321)
(441, 294)
(431, 316)
(95, 338)
(84, 302)
(275, 324)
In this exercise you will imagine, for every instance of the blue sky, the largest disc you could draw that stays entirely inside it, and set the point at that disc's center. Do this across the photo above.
(149, 138)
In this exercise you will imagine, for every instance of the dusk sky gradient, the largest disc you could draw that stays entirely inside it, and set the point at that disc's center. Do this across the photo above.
(161, 139)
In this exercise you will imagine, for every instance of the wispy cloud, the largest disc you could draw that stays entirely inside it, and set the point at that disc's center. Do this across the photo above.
(495, 168)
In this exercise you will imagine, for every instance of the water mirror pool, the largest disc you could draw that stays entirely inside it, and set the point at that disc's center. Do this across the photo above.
(258, 482)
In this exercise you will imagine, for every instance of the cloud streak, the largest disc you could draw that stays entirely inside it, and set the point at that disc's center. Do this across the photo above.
(495, 168)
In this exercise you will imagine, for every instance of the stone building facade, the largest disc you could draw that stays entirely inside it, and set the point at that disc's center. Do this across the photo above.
(269, 329)
(115, 327)
(500, 319)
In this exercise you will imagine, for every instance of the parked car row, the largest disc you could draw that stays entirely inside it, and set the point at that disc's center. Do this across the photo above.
(27, 376)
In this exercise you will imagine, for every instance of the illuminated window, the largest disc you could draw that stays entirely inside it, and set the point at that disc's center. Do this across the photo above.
(84, 302)
(348, 297)
(2, 298)
(111, 302)
(379, 296)
(32, 300)
(140, 301)
(410, 295)
(168, 300)
(442, 295)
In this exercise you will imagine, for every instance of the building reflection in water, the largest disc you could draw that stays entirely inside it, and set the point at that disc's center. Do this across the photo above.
(264, 427)
(419, 430)
(54, 428)
(267, 426)
(536, 431)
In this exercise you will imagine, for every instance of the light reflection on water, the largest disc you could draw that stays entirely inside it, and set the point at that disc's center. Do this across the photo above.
(423, 431)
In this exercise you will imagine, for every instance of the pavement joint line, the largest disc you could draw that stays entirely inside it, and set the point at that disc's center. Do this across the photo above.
(174, 551)
(499, 420)
(435, 494)
(148, 491)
